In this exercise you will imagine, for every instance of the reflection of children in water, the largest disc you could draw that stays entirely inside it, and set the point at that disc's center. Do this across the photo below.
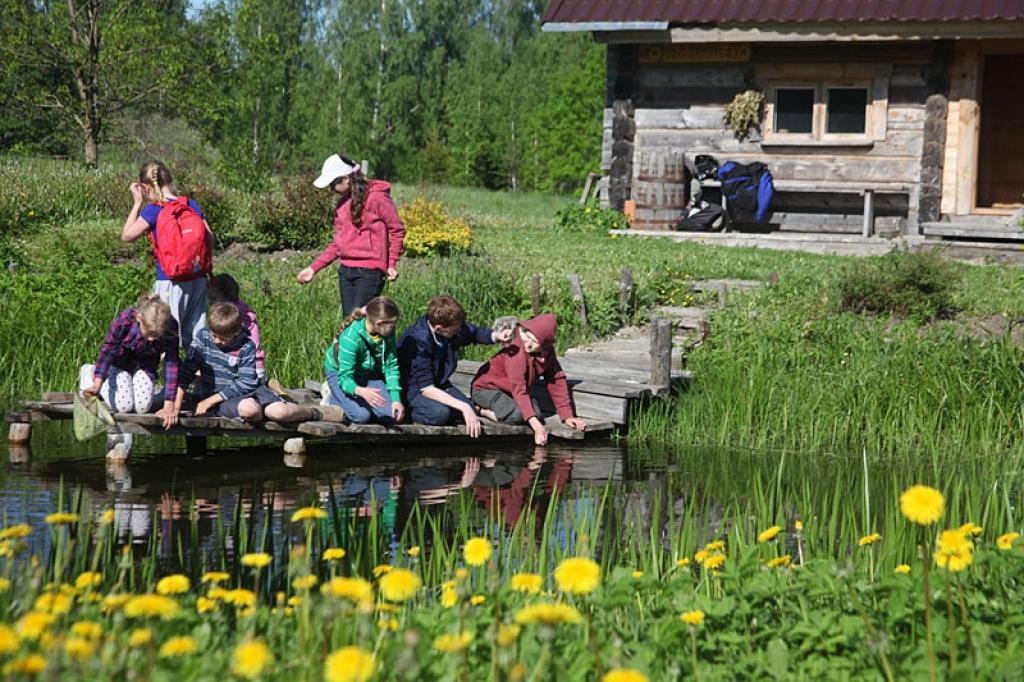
(506, 489)
(360, 498)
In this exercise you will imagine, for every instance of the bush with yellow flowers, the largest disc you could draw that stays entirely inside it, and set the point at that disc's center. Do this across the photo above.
(431, 231)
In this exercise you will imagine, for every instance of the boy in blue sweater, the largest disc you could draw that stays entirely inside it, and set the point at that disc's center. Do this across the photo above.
(428, 354)
(225, 358)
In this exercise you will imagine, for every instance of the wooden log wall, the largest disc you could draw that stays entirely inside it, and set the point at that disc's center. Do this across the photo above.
(678, 111)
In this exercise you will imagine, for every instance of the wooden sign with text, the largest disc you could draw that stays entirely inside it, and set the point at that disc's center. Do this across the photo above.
(678, 54)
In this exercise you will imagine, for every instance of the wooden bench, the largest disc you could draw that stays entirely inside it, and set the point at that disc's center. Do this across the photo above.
(867, 190)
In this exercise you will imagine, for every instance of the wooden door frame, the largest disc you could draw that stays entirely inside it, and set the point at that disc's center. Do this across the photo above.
(963, 125)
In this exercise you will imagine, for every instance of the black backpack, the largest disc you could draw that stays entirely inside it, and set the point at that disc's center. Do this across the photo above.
(706, 167)
(747, 189)
(703, 216)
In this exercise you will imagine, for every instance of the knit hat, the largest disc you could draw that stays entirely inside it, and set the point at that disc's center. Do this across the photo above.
(334, 167)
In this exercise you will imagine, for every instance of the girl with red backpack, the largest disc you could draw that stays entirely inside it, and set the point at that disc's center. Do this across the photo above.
(181, 241)
(368, 234)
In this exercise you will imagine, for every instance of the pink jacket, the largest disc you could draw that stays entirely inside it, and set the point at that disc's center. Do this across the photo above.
(376, 243)
(514, 371)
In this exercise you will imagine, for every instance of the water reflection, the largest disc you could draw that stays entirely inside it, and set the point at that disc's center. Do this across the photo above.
(170, 501)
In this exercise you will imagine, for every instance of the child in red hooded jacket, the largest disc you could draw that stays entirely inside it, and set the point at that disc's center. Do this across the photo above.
(501, 389)
(368, 234)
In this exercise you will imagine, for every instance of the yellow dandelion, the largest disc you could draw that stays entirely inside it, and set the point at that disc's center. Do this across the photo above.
(413, 551)
(107, 517)
(971, 529)
(869, 539)
(527, 582)
(33, 664)
(547, 613)
(381, 569)
(477, 551)
(294, 600)
(214, 577)
(449, 597)
(34, 624)
(399, 584)
(578, 575)
(714, 562)
(683, 562)
(349, 664)
(334, 554)
(902, 569)
(508, 634)
(182, 645)
(250, 658)
(151, 606)
(88, 579)
(451, 643)
(140, 637)
(205, 605)
(716, 546)
(477, 599)
(954, 559)
(53, 603)
(353, 589)
(768, 534)
(954, 540)
(59, 518)
(79, 648)
(256, 560)
(461, 573)
(17, 531)
(304, 582)
(638, 574)
(8, 640)
(114, 601)
(695, 617)
(5, 585)
(250, 611)
(241, 598)
(388, 624)
(798, 525)
(922, 505)
(173, 584)
(89, 629)
(1005, 541)
(783, 561)
(308, 514)
(624, 675)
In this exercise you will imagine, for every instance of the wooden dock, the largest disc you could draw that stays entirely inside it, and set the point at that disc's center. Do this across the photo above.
(602, 392)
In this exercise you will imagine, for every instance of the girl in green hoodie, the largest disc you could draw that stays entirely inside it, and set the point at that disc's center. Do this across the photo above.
(362, 365)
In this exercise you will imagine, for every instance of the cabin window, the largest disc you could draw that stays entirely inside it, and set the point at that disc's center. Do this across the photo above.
(819, 112)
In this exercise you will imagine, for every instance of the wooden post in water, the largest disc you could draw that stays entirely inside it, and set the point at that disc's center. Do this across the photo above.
(661, 353)
(20, 433)
(119, 446)
(576, 286)
(535, 293)
(19, 454)
(625, 293)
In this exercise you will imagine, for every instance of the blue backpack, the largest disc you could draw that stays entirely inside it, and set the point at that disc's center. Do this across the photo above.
(748, 190)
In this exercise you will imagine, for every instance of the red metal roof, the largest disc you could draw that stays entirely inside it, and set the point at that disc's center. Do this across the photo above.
(778, 11)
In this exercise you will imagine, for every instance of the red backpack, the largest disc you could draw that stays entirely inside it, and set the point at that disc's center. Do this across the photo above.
(179, 241)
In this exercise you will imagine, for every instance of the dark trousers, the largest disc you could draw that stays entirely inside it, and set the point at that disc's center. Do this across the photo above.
(357, 286)
(423, 410)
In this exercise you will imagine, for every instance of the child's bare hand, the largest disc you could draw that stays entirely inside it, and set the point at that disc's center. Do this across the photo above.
(372, 396)
(138, 191)
(94, 389)
(398, 411)
(540, 435)
(392, 274)
(168, 414)
(473, 426)
(305, 275)
(204, 406)
(576, 424)
(504, 336)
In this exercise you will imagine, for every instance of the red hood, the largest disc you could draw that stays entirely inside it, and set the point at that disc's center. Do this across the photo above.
(379, 186)
(543, 327)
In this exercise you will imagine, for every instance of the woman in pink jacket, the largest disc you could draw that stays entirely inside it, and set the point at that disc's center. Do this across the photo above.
(368, 234)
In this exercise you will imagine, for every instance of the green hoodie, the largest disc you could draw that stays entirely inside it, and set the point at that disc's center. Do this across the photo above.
(360, 359)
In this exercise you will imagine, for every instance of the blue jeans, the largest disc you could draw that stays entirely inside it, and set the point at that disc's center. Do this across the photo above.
(423, 410)
(358, 410)
(356, 286)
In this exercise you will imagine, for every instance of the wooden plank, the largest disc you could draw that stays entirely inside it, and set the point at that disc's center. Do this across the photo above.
(576, 288)
(967, 67)
(58, 397)
(585, 376)
(653, 76)
(969, 232)
(595, 405)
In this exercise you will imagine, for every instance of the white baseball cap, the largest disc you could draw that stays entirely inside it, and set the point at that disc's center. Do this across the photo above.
(334, 168)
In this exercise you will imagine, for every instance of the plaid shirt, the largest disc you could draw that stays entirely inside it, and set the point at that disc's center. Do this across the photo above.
(126, 348)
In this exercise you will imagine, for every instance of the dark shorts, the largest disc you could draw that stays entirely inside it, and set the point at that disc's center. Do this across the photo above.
(502, 405)
(263, 395)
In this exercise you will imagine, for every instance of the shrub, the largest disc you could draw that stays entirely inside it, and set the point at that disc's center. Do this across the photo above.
(299, 217)
(589, 218)
(430, 231)
(912, 285)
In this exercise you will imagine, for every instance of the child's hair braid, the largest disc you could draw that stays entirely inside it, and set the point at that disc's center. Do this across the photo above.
(379, 308)
(154, 314)
(155, 176)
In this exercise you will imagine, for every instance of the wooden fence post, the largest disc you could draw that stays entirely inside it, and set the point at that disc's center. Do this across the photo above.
(576, 286)
(625, 293)
(661, 353)
(535, 294)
